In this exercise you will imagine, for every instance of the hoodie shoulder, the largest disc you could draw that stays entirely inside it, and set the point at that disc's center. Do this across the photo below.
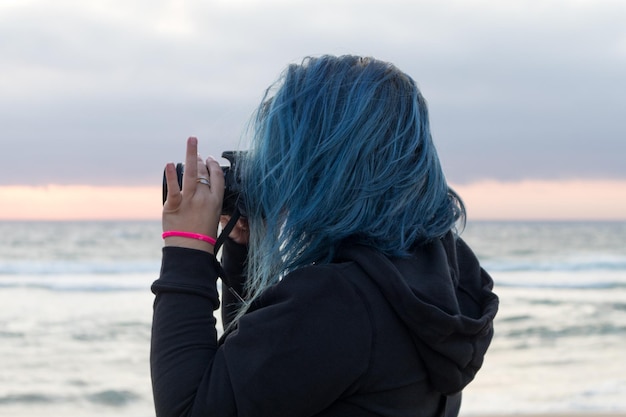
(445, 298)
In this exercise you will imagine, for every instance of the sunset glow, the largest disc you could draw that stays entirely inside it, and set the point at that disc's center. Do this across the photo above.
(545, 200)
(56, 202)
(488, 200)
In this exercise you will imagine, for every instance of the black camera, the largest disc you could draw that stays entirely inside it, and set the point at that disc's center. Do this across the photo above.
(232, 183)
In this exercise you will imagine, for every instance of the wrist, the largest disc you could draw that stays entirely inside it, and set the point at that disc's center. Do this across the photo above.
(189, 240)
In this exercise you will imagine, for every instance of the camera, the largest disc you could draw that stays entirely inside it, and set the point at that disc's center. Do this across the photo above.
(232, 183)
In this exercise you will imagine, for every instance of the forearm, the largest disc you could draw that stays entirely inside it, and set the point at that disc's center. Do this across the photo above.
(184, 338)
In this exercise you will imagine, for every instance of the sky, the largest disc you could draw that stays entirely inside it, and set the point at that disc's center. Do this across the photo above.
(526, 98)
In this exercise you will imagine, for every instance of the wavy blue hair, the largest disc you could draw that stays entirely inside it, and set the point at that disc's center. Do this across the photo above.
(341, 150)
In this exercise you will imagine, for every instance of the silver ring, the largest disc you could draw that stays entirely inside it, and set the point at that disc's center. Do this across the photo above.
(203, 180)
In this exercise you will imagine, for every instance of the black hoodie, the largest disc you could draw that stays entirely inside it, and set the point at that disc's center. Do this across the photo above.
(362, 336)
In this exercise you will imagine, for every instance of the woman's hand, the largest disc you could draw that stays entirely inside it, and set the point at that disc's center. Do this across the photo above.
(198, 206)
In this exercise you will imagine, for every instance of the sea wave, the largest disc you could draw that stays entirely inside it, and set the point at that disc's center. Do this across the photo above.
(62, 267)
(556, 265)
(112, 265)
(79, 283)
(83, 283)
(523, 335)
(563, 285)
(549, 279)
(110, 398)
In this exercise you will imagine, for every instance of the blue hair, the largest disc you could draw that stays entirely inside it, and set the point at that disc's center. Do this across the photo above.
(341, 150)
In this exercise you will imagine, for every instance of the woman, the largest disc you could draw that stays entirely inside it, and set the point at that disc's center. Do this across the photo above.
(360, 299)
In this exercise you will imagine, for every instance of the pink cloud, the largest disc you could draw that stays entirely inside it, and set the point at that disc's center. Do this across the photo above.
(545, 200)
(531, 200)
(56, 202)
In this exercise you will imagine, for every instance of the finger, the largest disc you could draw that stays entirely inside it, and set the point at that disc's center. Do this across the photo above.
(191, 166)
(242, 224)
(203, 171)
(216, 175)
(173, 189)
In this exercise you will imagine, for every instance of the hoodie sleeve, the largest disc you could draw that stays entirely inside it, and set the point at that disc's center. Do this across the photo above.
(183, 328)
(302, 345)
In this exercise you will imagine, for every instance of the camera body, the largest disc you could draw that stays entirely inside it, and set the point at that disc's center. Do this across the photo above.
(232, 183)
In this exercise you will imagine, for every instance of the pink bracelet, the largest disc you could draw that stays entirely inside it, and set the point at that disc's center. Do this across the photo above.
(190, 235)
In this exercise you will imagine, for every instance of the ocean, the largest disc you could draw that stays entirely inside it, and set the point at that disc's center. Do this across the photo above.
(75, 316)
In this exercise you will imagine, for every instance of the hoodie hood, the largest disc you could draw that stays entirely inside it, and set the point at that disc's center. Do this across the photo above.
(445, 299)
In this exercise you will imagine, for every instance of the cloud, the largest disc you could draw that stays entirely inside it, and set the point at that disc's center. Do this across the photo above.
(62, 202)
(105, 92)
(545, 200)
